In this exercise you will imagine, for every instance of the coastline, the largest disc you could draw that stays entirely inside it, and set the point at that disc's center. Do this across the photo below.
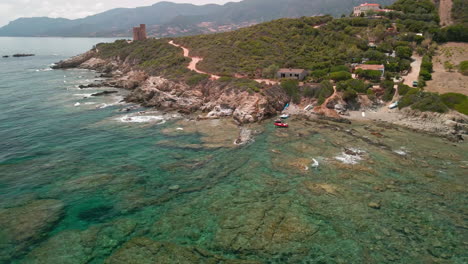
(208, 100)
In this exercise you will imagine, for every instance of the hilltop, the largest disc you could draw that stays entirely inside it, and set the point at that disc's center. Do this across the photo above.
(171, 19)
(245, 63)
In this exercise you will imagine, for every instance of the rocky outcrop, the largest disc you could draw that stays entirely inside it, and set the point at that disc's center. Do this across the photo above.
(214, 99)
(75, 61)
(23, 226)
(453, 125)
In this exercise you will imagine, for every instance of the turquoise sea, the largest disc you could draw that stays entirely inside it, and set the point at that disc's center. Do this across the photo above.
(83, 182)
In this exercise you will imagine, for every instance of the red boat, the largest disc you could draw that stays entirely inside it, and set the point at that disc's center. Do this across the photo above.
(280, 123)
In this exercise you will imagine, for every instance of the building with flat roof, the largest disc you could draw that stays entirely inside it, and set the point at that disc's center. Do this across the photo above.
(299, 74)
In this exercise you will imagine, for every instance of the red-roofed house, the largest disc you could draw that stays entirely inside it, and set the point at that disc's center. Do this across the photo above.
(364, 8)
(372, 67)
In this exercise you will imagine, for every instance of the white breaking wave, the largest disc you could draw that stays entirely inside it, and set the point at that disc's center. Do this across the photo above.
(351, 156)
(44, 70)
(142, 119)
(83, 95)
(400, 152)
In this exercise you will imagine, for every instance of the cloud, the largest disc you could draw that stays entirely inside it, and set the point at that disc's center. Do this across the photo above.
(13, 9)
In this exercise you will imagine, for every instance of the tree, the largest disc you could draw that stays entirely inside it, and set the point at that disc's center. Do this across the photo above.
(270, 71)
(463, 67)
(290, 86)
(449, 66)
(403, 52)
(340, 76)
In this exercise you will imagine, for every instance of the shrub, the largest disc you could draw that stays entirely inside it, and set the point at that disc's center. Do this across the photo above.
(290, 86)
(270, 71)
(430, 102)
(339, 68)
(403, 89)
(318, 75)
(403, 52)
(197, 78)
(426, 63)
(340, 76)
(463, 67)
(423, 101)
(369, 74)
(326, 89)
(388, 94)
(341, 86)
(371, 94)
(349, 95)
(321, 100)
(456, 101)
(425, 75)
(225, 79)
(311, 92)
(357, 85)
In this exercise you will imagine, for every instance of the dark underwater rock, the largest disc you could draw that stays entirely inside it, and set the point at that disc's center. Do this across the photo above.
(23, 226)
(104, 93)
(22, 55)
(145, 250)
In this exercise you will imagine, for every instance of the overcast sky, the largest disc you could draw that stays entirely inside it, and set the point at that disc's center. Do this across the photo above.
(13, 9)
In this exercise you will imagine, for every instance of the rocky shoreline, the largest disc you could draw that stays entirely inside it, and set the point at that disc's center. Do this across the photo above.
(213, 100)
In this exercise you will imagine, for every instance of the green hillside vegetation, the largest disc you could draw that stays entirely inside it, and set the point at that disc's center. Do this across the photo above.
(163, 17)
(460, 11)
(327, 53)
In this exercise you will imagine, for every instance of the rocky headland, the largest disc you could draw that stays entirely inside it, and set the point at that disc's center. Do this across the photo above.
(209, 98)
(213, 99)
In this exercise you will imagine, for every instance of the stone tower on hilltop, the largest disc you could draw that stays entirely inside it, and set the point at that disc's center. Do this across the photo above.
(139, 33)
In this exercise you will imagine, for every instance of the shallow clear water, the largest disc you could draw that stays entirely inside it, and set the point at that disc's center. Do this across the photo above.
(89, 184)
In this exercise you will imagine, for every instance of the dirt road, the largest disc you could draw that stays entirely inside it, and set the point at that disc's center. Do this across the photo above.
(445, 12)
(415, 69)
(195, 60)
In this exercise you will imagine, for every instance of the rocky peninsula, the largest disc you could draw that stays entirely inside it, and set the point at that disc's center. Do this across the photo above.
(212, 98)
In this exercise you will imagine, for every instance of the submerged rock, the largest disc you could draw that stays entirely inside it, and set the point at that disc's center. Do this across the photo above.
(375, 205)
(77, 247)
(174, 188)
(104, 93)
(22, 226)
(19, 55)
(144, 250)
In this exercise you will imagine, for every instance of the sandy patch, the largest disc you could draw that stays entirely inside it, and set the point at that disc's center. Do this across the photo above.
(444, 81)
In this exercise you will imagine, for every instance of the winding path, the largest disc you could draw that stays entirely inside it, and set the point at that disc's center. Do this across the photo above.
(195, 60)
(323, 109)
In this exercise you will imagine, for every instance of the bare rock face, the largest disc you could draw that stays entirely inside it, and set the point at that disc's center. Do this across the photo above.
(23, 226)
(131, 80)
(208, 97)
(93, 63)
(75, 61)
(211, 97)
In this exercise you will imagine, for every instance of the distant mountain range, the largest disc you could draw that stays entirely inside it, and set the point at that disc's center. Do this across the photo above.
(171, 19)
